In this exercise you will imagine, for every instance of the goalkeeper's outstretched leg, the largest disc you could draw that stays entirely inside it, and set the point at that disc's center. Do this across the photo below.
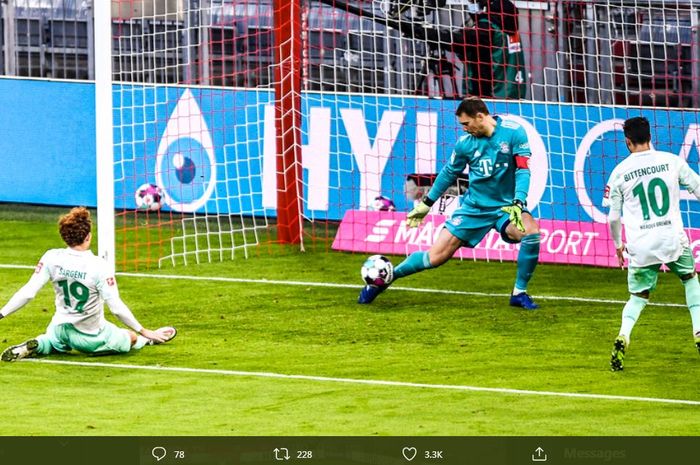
(441, 251)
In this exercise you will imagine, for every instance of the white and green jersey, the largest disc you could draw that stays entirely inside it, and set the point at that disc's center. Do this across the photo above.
(82, 283)
(645, 189)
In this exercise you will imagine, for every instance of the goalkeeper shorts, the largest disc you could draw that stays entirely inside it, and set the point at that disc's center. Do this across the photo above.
(470, 224)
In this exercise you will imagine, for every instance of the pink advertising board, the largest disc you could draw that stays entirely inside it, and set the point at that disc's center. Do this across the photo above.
(571, 242)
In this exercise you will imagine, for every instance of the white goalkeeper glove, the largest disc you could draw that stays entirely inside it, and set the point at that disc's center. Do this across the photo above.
(415, 216)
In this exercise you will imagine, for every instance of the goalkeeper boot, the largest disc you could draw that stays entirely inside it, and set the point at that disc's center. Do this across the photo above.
(369, 293)
(523, 300)
(20, 351)
(617, 358)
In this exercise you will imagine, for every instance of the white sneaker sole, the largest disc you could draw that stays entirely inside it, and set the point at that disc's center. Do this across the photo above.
(20, 351)
(169, 331)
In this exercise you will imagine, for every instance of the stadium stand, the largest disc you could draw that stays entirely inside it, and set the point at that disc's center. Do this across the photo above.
(127, 43)
(626, 52)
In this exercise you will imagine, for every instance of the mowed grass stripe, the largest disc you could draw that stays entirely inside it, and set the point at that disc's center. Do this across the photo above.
(357, 286)
(371, 382)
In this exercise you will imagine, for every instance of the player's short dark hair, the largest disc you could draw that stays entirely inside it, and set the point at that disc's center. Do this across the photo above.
(75, 226)
(470, 106)
(637, 130)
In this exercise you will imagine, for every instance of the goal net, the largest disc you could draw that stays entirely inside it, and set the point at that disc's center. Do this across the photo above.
(320, 123)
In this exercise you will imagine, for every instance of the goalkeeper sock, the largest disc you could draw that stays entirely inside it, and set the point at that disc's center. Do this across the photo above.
(630, 315)
(417, 261)
(527, 260)
(692, 299)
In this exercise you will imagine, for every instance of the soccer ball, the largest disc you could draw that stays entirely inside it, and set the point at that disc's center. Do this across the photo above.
(149, 197)
(382, 204)
(377, 271)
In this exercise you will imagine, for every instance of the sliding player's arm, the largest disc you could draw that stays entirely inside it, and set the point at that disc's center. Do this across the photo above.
(107, 287)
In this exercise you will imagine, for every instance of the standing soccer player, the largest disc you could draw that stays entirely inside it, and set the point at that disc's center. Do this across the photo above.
(82, 283)
(497, 153)
(645, 189)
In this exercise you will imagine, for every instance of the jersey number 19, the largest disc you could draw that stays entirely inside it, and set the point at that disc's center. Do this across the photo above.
(79, 292)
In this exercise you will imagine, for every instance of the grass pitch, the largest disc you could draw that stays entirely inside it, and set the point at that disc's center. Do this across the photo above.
(456, 363)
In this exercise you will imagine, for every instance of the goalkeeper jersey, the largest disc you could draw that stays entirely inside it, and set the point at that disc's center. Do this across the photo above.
(494, 179)
(82, 283)
(645, 189)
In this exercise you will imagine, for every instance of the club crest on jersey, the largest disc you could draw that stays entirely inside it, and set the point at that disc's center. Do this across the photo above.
(505, 148)
(110, 281)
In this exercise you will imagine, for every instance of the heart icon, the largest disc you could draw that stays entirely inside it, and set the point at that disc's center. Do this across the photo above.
(409, 453)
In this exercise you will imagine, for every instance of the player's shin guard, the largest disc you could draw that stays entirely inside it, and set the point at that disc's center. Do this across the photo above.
(527, 259)
(417, 261)
(630, 314)
(692, 299)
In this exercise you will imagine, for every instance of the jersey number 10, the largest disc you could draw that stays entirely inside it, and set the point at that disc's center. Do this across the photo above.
(648, 199)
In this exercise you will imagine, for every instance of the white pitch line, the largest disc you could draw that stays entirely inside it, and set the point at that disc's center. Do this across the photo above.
(355, 286)
(371, 382)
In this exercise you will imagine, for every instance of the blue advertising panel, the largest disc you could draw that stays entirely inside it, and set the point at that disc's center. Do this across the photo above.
(47, 142)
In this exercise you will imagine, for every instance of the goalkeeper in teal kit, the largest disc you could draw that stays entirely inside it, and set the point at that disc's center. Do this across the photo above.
(497, 153)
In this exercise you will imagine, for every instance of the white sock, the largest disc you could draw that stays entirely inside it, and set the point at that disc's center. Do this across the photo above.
(140, 342)
(630, 314)
(517, 291)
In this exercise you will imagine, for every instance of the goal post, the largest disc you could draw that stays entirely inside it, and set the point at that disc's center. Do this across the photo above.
(104, 139)
(288, 116)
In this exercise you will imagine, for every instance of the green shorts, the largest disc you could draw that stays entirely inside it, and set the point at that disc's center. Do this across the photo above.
(644, 278)
(62, 338)
(471, 224)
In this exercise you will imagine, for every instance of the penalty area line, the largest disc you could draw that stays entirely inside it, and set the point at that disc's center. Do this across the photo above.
(280, 282)
(370, 382)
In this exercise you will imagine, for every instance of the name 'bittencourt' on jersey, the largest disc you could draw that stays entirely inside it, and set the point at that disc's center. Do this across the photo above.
(646, 171)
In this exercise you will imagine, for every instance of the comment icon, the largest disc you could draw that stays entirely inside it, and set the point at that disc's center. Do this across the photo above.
(159, 453)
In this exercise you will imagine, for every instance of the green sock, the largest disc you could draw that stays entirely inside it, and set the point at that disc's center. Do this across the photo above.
(630, 314)
(417, 261)
(692, 299)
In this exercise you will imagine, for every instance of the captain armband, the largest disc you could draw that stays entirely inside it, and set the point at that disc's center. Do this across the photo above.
(522, 163)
